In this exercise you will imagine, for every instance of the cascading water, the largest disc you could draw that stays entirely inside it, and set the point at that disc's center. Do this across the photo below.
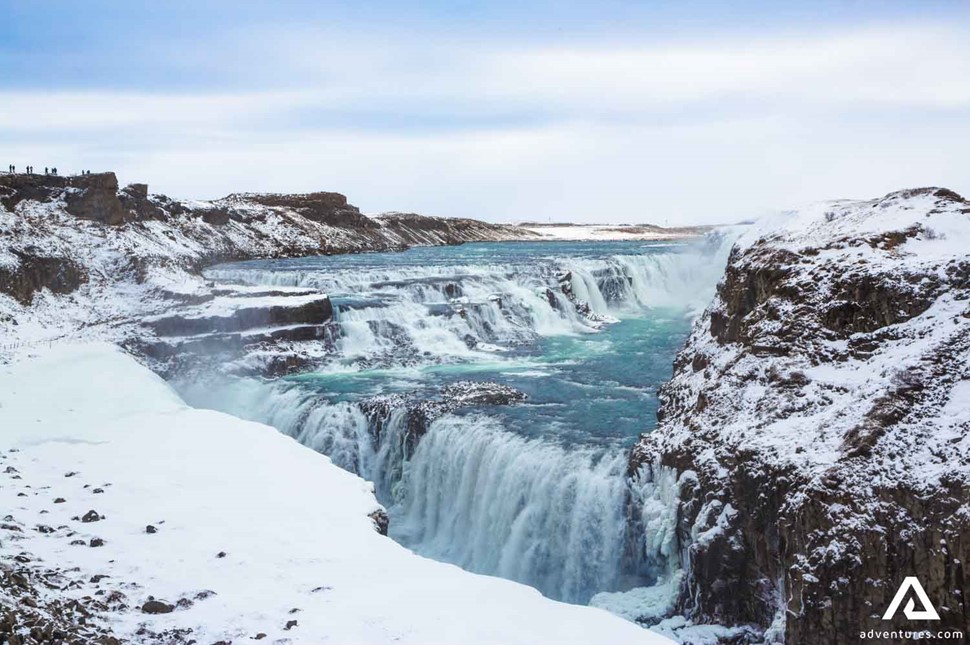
(493, 502)
(536, 492)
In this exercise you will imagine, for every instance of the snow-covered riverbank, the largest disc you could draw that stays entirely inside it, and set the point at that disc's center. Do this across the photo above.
(279, 534)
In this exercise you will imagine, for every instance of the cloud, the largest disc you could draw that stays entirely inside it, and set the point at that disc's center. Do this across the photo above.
(678, 131)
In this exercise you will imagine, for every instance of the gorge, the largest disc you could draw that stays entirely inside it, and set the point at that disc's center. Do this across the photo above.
(495, 392)
(425, 348)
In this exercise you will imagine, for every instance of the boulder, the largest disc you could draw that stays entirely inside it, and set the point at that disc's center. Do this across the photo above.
(157, 607)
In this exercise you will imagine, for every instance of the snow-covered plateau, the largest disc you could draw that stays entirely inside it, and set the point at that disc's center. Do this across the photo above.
(812, 450)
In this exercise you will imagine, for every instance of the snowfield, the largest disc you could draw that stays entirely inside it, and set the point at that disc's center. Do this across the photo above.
(610, 232)
(88, 425)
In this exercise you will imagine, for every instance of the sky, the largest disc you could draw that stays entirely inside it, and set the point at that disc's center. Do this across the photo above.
(614, 111)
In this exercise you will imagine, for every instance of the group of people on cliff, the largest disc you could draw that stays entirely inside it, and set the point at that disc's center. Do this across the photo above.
(12, 169)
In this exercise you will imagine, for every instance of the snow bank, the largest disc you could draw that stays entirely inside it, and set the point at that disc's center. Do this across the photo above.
(294, 529)
(608, 232)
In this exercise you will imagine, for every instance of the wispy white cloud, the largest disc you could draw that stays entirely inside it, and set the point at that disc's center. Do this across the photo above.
(678, 131)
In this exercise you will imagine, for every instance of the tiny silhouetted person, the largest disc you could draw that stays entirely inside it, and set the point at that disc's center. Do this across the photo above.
(54, 171)
(47, 170)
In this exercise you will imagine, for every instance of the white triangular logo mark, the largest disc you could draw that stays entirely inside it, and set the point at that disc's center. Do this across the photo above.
(928, 612)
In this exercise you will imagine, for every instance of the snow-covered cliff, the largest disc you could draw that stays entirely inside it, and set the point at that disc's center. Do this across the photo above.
(820, 418)
(78, 255)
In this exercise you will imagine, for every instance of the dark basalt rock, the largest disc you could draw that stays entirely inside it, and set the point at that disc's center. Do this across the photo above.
(95, 197)
(193, 353)
(421, 409)
(316, 312)
(475, 393)
(193, 340)
(825, 546)
(325, 208)
(216, 216)
(36, 272)
(157, 607)
(381, 521)
(134, 198)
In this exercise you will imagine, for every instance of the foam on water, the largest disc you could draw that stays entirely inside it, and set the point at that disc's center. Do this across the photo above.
(538, 492)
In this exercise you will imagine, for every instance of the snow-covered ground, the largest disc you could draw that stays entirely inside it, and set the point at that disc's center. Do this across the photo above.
(607, 232)
(275, 530)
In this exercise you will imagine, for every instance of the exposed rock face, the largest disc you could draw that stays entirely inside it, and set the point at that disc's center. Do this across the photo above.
(135, 200)
(226, 328)
(821, 402)
(325, 208)
(95, 197)
(381, 520)
(35, 272)
(316, 311)
(410, 229)
(421, 409)
(81, 233)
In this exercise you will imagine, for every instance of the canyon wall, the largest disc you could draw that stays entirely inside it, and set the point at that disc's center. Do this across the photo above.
(79, 252)
(819, 417)
(51, 225)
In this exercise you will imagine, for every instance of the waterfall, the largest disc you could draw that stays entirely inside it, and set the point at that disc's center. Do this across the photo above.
(655, 497)
(564, 520)
(493, 502)
(454, 312)
(466, 489)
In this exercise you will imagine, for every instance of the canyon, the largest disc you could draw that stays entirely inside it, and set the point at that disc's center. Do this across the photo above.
(811, 448)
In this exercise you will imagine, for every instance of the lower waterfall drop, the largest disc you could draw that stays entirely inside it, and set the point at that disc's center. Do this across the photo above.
(493, 502)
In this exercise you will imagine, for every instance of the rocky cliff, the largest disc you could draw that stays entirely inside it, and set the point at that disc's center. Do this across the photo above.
(80, 251)
(819, 421)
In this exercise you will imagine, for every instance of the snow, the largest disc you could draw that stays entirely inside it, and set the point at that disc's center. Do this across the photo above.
(226, 306)
(690, 633)
(133, 269)
(644, 604)
(819, 224)
(835, 238)
(592, 232)
(294, 527)
(869, 403)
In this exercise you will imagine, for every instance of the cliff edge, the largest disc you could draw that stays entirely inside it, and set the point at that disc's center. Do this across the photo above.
(819, 421)
(78, 252)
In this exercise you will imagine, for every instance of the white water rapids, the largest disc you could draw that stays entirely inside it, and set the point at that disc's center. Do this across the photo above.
(562, 517)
